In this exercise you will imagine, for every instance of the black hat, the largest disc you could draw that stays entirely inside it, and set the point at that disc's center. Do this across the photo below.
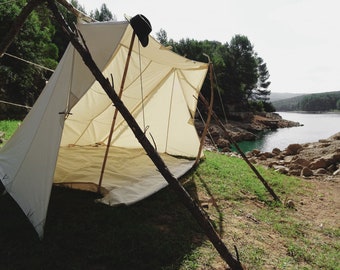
(142, 28)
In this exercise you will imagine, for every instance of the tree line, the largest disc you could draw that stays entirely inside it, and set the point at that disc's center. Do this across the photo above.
(241, 75)
(320, 102)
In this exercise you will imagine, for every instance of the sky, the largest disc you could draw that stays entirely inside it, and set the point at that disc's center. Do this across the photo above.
(299, 40)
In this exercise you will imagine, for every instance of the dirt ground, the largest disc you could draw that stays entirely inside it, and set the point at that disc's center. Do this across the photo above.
(315, 214)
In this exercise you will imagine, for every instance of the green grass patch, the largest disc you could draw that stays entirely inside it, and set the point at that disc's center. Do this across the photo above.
(8, 127)
(231, 178)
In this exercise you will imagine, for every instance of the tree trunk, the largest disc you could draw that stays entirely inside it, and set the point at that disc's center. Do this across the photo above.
(18, 23)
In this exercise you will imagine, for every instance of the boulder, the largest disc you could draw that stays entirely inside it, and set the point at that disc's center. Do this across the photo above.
(293, 149)
(223, 143)
(337, 172)
(321, 171)
(276, 151)
(288, 159)
(266, 155)
(318, 163)
(306, 172)
(294, 172)
(301, 161)
(255, 152)
(280, 169)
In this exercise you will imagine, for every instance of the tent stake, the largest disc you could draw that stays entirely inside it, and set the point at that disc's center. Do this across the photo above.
(185, 197)
(116, 111)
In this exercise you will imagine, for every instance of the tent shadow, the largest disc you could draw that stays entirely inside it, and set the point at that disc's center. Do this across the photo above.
(156, 233)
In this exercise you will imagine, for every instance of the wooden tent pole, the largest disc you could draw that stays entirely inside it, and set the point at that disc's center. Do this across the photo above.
(210, 107)
(259, 176)
(116, 111)
(184, 196)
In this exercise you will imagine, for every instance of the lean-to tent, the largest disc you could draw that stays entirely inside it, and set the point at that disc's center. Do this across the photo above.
(62, 139)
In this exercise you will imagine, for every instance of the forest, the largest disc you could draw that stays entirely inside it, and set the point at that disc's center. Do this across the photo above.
(241, 75)
(320, 102)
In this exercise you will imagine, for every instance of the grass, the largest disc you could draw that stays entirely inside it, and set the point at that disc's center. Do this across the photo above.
(8, 127)
(159, 233)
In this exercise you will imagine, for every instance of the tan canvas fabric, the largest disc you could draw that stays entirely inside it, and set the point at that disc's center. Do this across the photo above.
(169, 85)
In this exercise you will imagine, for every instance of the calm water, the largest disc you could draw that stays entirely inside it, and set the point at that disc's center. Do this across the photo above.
(316, 126)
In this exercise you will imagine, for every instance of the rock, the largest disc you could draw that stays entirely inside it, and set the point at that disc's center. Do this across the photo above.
(293, 149)
(223, 143)
(318, 163)
(276, 151)
(253, 160)
(294, 172)
(306, 172)
(266, 155)
(290, 204)
(280, 169)
(255, 152)
(301, 161)
(335, 137)
(337, 172)
(288, 159)
(272, 164)
(215, 131)
(331, 168)
(321, 171)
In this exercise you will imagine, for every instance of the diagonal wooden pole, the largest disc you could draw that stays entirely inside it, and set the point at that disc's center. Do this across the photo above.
(259, 176)
(210, 108)
(184, 196)
(116, 111)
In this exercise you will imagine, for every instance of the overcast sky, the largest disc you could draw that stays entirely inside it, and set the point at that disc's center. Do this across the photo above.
(298, 39)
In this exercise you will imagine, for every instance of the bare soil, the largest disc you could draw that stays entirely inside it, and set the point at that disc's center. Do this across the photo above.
(316, 212)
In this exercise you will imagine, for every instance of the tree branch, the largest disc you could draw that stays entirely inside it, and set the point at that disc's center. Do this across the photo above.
(17, 24)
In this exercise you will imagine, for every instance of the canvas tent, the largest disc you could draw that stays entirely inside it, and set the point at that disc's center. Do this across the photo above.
(63, 138)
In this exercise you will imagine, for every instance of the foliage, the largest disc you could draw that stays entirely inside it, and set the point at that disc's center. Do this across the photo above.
(241, 75)
(59, 37)
(327, 101)
(8, 127)
(21, 82)
(104, 14)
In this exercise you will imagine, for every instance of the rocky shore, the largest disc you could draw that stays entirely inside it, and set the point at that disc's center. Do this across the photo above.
(242, 127)
(319, 160)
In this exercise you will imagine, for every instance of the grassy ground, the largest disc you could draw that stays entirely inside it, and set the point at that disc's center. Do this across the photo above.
(159, 233)
(8, 127)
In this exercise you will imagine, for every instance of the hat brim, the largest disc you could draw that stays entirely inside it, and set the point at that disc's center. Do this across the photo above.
(144, 40)
(142, 37)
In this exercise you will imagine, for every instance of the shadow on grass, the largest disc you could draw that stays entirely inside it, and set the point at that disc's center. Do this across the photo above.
(156, 233)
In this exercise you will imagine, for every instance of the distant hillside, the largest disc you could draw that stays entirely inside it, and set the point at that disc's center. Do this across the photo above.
(279, 96)
(327, 101)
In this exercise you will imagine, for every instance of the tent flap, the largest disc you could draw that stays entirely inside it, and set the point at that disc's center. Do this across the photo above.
(160, 91)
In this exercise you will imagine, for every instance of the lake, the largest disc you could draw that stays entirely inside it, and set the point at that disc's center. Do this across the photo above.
(315, 127)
